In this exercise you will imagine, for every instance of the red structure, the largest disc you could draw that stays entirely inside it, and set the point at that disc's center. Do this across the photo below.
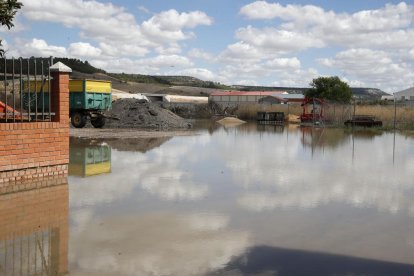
(312, 110)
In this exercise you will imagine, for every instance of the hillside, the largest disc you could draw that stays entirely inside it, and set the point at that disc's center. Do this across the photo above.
(168, 80)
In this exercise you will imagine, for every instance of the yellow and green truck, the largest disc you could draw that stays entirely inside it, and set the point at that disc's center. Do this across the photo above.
(87, 99)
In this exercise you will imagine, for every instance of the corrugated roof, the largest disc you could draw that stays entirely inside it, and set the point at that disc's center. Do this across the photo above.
(247, 93)
(292, 96)
(269, 99)
(402, 92)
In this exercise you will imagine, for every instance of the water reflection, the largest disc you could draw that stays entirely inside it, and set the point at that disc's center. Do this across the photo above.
(141, 145)
(217, 201)
(34, 230)
(318, 137)
(158, 173)
(89, 157)
(156, 244)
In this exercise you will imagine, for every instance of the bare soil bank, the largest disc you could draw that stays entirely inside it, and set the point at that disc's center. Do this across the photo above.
(96, 133)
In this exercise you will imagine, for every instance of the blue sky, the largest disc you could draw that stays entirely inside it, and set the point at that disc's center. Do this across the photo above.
(277, 43)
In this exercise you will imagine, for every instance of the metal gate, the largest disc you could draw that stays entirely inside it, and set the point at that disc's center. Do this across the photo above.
(25, 90)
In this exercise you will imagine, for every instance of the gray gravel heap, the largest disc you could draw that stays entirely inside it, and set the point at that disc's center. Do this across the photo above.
(134, 113)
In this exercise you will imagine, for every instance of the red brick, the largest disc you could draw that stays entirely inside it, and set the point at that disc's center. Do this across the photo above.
(27, 145)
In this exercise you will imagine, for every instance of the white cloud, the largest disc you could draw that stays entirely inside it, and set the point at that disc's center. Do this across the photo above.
(119, 50)
(246, 82)
(264, 10)
(200, 54)
(279, 40)
(167, 61)
(388, 27)
(115, 29)
(168, 26)
(284, 63)
(82, 49)
(158, 65)
(38, 48)
(296, 78)
(172, 49)
(201, 73)
(378, 43)
(372, 67)
(287, 70)
(144, 9)
(241, 51)
(388, 18)
(94, 18)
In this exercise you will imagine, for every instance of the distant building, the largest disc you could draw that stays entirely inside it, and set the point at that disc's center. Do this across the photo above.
(246, 97)
(272, 100)
(405, 95)
(293, 98)
(387, 98)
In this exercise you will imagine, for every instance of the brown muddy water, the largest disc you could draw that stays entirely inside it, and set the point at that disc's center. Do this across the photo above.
(245, 200)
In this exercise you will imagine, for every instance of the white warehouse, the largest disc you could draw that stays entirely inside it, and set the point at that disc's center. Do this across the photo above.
(405, 95)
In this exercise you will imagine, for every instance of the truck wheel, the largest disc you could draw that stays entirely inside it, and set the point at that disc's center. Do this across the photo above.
(98, 122)
(78, 119)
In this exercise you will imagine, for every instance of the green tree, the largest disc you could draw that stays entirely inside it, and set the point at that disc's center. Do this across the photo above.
(330, 88)
(8, 9)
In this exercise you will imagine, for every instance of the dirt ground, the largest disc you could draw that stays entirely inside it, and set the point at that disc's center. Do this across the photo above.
(126, 133)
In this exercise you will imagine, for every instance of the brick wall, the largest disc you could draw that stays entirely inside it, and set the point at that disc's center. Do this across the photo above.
(33, 146)
(29, 218)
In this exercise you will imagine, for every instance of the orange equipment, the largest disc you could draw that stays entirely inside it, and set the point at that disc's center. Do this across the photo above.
(9, 113)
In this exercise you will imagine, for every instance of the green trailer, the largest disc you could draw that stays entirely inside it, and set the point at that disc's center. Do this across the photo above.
(87, 99)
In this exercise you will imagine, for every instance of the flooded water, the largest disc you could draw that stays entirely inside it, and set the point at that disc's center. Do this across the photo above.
(246, 200)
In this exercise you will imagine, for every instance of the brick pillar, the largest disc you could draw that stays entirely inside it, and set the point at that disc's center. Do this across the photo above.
(60, 92)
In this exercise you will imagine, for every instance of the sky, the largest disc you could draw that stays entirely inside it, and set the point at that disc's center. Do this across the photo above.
(269, 43)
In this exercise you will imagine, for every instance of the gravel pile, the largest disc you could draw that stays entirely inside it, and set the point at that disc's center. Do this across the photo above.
(135, 113)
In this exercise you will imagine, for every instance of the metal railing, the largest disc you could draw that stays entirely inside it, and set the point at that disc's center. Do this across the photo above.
(25, 95)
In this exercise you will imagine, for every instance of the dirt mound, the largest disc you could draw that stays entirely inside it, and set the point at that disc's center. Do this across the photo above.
(230, 121)
(293, 119)
(135, 113)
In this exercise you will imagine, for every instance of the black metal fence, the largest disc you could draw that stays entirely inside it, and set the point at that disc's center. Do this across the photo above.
(25, 90)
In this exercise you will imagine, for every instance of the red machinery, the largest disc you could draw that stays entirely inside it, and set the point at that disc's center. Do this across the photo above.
(316, 110)
(7, 112)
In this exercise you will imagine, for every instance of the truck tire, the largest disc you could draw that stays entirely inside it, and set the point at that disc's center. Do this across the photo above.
(78, 119)
(98, 122)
